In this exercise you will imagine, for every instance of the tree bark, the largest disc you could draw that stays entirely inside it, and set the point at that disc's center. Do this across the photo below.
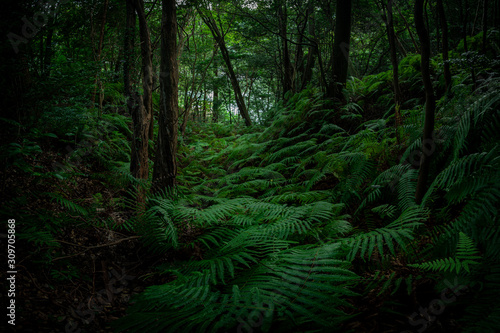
(286, 63)
(464, 15)
(47, 57)
(311, 54)
(409, 30)
(216, 102)
(99, 50)
(444, 29)
(165, 168)
(430, 102)
(128, 51)
(138, 105)
(219, 38)
(147, 66)
(395, 64)
(341, 48)
(485, 24)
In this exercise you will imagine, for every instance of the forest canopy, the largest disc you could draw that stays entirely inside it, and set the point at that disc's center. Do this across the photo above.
(256, 166)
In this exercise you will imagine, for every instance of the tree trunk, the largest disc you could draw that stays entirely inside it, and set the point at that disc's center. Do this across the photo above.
(204, 102)
(430, 102)
(99, 50)
(341, 48)
(485, 24)
(165, 168)
(147, 66)
(47, 58)
(128, 51)
(438, 34)
(409, 30)
(138, 105)
(188, 100)
(497, 17)
(286, 63)
(444, 28)
(465, 17)
(216, 101)
(310, 55)
(395, 63)
(219, 38)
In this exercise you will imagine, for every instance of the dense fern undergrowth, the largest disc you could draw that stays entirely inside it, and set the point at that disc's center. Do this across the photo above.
(297, 222)
(293, 226)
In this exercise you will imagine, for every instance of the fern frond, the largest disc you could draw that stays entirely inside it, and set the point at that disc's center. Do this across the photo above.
(466, 254)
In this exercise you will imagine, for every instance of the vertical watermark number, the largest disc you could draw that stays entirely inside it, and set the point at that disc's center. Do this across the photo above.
(11, 271)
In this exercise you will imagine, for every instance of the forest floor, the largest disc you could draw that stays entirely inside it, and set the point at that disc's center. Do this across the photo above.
(94, 270)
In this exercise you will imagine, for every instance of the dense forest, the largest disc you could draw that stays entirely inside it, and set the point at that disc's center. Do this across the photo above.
(250, 166)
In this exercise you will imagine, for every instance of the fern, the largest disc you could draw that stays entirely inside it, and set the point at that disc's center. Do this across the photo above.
(466, 254)
(68, 204)
(397, 232)
(305, 285)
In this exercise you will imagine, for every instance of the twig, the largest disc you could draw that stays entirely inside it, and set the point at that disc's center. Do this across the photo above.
(94, 247)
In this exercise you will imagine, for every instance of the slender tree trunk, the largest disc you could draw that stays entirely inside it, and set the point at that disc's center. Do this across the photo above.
(473, 31)
(438, 34)
(139, 155)
(409, 30)
(430, 102)
(99, 50)
(147, 66)
(188, 101)
(444, 28)
(192, 88)
(497, 18)
(219, 38)
(128, 51)
(299, 62)
(47, 58)
(204, 102)
(395, 64)
(400, 46)
(140, 106)
(465, 17)
(341, 48)
(286, 63)
(252, 80)
(216, 101)
(311, 55)
(485, 24)
(165, 169)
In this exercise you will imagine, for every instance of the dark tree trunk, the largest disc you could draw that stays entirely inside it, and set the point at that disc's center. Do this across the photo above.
(438, 34)
(47, 58)
(430, 102)
(395, 64)
(128, 51)
(464, 15)
(205, 102)
(444, 28)
(98, 53)
(311, 55)
(409, 30)
(341, 48)
(165, 168)
(216, 101)
(485, 24)
(147, 66)
(137, 104)
(497, 17)
(286, 63)
(219, 38)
